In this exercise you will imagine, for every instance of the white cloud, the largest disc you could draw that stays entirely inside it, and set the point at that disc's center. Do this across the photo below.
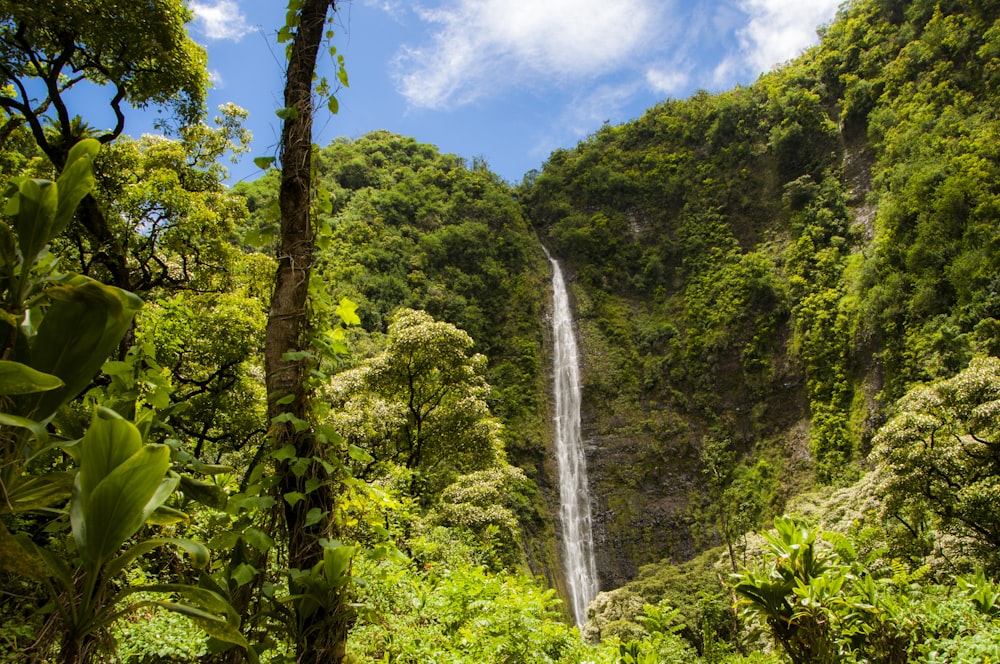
(603, 104)
(481, 47)
(666, 80)
(779, 30)
(222, 20)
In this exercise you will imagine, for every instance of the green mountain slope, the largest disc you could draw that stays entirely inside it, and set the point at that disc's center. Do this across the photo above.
(759, 274)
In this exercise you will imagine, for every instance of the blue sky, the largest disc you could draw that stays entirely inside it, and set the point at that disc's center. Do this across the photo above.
(502, 80)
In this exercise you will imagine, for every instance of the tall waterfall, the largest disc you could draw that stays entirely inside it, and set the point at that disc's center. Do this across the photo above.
(574, 496)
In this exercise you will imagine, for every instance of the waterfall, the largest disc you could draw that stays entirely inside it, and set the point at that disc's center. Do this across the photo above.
(574, 496)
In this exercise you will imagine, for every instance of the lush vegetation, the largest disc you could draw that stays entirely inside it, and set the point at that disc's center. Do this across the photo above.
(305, 418)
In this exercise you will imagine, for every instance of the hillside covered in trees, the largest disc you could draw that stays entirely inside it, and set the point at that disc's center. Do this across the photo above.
(787, 298)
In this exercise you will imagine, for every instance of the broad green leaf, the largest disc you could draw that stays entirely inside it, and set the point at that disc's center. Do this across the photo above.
(75, 182)
(336, 562)
(286, 452)
(258, 539)
(81, 328)
(346, 310)
(122, 501)
(37, 429)
(324, 203)
(313, 516)
(358, 454)
(293, 497)
(333, 105)
(197, 551)
(224, 541)
(117, 368)
(33, 492)
(18, 378)
(167, 516)
(13, 204)
(261, 237)
(287, 113)
(108, 443)
(264, 163)
(244, 574)
(36, 211)
(342, 72)
(206, 493)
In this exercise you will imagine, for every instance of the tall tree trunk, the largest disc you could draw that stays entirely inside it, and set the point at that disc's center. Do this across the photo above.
(321, 631)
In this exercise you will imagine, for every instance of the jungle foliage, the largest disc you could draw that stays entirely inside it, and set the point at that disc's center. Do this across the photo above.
(774, 266)
(787, 303)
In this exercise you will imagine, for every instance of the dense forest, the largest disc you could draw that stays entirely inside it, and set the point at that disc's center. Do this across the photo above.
(308, 417)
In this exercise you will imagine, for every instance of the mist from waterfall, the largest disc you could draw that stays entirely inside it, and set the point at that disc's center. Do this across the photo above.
(574, 495)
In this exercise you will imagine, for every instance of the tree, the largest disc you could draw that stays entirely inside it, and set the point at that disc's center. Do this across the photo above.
(940, 457)
(140, 51)
(421, 403)
(167, 202)
(116, 481)
(317, 565)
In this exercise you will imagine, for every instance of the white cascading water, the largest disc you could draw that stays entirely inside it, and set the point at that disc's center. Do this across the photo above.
(574, 495)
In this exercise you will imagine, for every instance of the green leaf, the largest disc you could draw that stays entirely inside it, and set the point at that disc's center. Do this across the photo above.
(117, 368)
(17, 378)
(82, 326)
(258, 539)
(37, 429)
(336, 562)
(293, 497)
(358, 454)
(342, 72)
(261, 237)
(75, 182)
(197, 551)
(333, 105)
(206, 493)
(346, 310)
(109, 441)
(244, 574)
(37, 201)
(33, 492)
(323, 202)
(118, 505)
(264, 163)
(287, 113)
(313, 516)
(167, 516)
(286, 452)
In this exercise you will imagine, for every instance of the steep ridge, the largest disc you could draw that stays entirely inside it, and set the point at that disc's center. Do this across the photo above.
(759, 274)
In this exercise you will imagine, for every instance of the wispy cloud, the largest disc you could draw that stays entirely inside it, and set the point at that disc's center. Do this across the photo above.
(602, 104)
(221, 20)
(667, 80)
(779, 30)
(481, 47)
(215, 79)
(593, 58)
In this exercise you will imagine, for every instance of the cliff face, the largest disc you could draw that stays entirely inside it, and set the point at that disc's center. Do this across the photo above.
(759, 274)
(650, 491)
